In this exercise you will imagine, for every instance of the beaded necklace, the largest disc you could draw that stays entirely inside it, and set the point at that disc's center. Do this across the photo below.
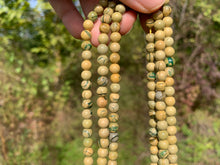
(160, 70)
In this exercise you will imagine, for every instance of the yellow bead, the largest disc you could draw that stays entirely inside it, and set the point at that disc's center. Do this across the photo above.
(103, 3)
(115, 37)
(102, 81)
(88, 161)
(151, 95)
(166, 1)
(93, 16)
(114, 97)
(154, 158)
(88, 25)
(87, 133)
(87, 103)
(162, 135)
(86, 114)
(160, 86)
(112, 4)
(160, 65)
(171, 120)
(102, 152)
(160, 115)
(167, 10)
(86, 75)
(104, 133)
(114, 68)
(150, 67)
(168, 21)
(88, 151)
(151, 104)
(173, 149)
(159, 35)
(170, 101)
(150, 37)
(113, 146)
(104, 143)
(163, 144)
(115, 27)
(160, 105)
(108, 11)
(103, 38)
(86, 55)
(115, 58)
(115, 87)
(113, 107)
(150, 47)
(168, 31)
(86, 35)
(169, 71)
(87, 123)
(151, 85)
(169, 51)
(169, 81)
(98, 9)
(116, 17)
(162, 125)
(171, 110)
(115, 78)
(150, 57)
(104, 28)
(102, 102)
(171, 130)
(113, 155)
(161, 76)
(168, 41)
(103, 122)
(153, 150)
(159, 25)
(101, 161)
(87, 142)
(160, 45)
(112, 162)
(173, 159)
(163, 162)
(115, 47)
(172, 140)
(120, 8)
(86, 65)
(153, 141)
(102, 60)
(86, 84)
(102, 70)
(170, 91)
(152, 123)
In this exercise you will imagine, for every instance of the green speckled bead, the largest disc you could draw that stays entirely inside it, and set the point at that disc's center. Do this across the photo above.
(151, 76)
(154, 158)
(169, 71)
(170, 61)
(163, 144)
(113, 127)
(160, 66)
(86, 35)
(86, 94)
(103, 3)
(152, 123)
(150, 37)
(87, 123)
(113, 117)
(160, 105)
(150, 23)
(168, 21)
(172, 140)
(102, 112)
(104, 28)
(163, 162)
(98, 9)
(93, 16)
(115, 37)
(114, 145)
(168, 31)
(86, 84)
(115, 27)
(161, 75)
(103, 133)
(88, 161)
(115, 87)
(167, 10)
(103, 38)
(87, 142)
(88, 151)
(162, 135)
(173, 149)
(103, 122)
(103, 143)
(159, 35)
(102, 81)
(151, 104)
(113, 107)
(151, 85)
(102, 91)
(151, 95)
(102, 49)
(168, 41)
(108, 11)
(115, 47)
(106, 19)
(113, 137)
(150, 47)
(114, 97)
(171, 130)
(153, 132)
(150, 67)
(87, 133)
(102, 152)
(171, 110)
(86, 55)
(86, 45)
(102, 70)
(163, 154)
(162, 125)
(153, 141)
(87, 103)
(116, 17)
(173, 159)
(159, 25)
(88, 25)
(150, 57)
(158, 15)
(160, 96)
(120, 8)
(102, 60)
(160, 85)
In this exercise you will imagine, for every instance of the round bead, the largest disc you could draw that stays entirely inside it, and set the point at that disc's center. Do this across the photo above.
(102, 102)
(86, 65)
(115, 58)
(159, 25)
(154, 158)
(120, 8)
(113, 117)
(168, 41)
(163, 144)
(98, 9)
(113, 127)
(150, 37)
(86, 54)
(114, 68)
(160, 86)
(86, 84)
(160, 45)
(171, 130)
(115, 37)
(150, 23)
(163, 154)
(150, 66)
(150, 47)
(102, 81)
(102, 70)
(104, 143)
(115, 27)
(102, 152)
(153, 141)
(88, 161)
(160, 65)
(158, 15)
(87, 123)
(115, 87)
(86, 35)
(113, 146)
(106, 19)
(103, 3)
(162, 135)
(163, 162)
(168, 31)
(88, 25)
(112, 162)
(169, 81)
(151, 104)
(170, 101)
(86, 45)
(173, 159)
(151, 85)
(108, 11)
(152, 113)
(160, 115)
(102, 49)
(113, 155)
(87, 133)
(170, 61)
(168, 21)
(115, 47)
(160, 55)
(104, 28)
(173, 149)
(167, 10)
(102, 60)
(86, 75)
(169, 71)
(151, 76)
(87, 142)
(161, 76)
(115, 78)
(112, 4)
(116, 17)
(153, 132)
(86, 114)
(113, 137)
(103, 38)
(102, 112)
(162, 125)
(113, 107)
(150, 57)
(114, 97)
(169, 91)
(160, 96)
(87, 104)
(153, 150)
(151, 95)
(103, 132)
(103, 122)
(171, 110)
(152, 123)
(160, 105)
(172, 140)
(169, 51)
(87, 94)
(101, 161)
(159, 35)
(88, 151)
(93, 16)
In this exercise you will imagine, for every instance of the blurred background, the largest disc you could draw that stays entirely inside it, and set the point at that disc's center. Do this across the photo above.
(40, 92)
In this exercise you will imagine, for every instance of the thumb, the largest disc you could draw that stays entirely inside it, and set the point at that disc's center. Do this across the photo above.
(144, 6)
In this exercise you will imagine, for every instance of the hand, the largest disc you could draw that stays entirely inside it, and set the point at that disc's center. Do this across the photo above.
(73, 20)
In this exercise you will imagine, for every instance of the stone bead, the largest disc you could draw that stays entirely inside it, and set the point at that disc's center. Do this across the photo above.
(169, 51)
(153, 150)
(159, 35)
(87, 142)
(171, 120)
(98, 9)
(169, 91)
(169, 71)
(160, 65)
(162, 135)
(88, 25)
(102, 70)
(150, 47)
(168, 41)
(86, 84)
(151, 85)
(173, 159)
(88, 161)
(171, 130)
(113, 127)
(160, 86)
(104, 28)
(150, 23)
(87, 104)
(157, 15)
(113, 137)
(115, 37)
(87, 123)
(169, 81)
(163, 162)
(159, 25)
(160, 45)
(115, 27)
(160, 115)
(117, 17)
(86, 75)
(86, 114)
(163, 144)
(161, 75)
(151, 95)
(151, 104)
(102, 152)
(114, 57)
(115, 87)
(113, 117)
(102, 49)
(87, 94)
(168, 21)
(170, 101)
(102, 102)
(102, 60)
(93, 16)
(154, 158)
(108, 11)
(103, 38)
(113, 107)
(88, 151)
(153, 141)
(167, 10)
(162, 125)
(151, 76)
(86, 45)
(150, 37)
(114, 97)
(170, 110)
(115, 78)
(172, 140)
(168, 31)
(86, 55)
(173, 149)
(152, 123)
(114, 68)
(150, 67)
(104, 143)
(153, 132)
(103, 133)
(106, 19)
(113, 146)
(160, 96)
(86, 65)
(160, 55)
(160, 105)
(163, 154)
(102, 81)
(112, 162)
(103, 3)
(112, 4)
(152, 113)
(150, 57)
(101, 161)
(87, 133)
(86, 35)
(103, 122)
(170, 61)
(115, 47)
(113, 155)
(120, 8)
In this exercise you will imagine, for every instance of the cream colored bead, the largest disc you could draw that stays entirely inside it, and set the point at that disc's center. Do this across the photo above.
(86, 65)
(168, 31)
(88, 151)
(163, 162)
(103, 133)
(86, 114)
(104, 143)
(87, 142)
(160, 45)
(103, 38)
(150, 67)
(169, 91)
(102, 60)
(86, 45)
(115, 58)
(115, 47)
(113, 107)
(154, 158)
(162, 125)
(88, 25)
(113, 155)
(120, 8)
(153, 150)
(171, 110)
(115, 27)
(159, 35)
(151, 104)
(102, 91)
(151, 95)
(151, 85)
(160, 55)
(159, 25)
(150, 47)
(102, 152)
(152, 123)
(171, 120)
(103, 122)
(87, 94)
(87, 123)
(163, 144)
(170, 101)
(153, 141)
(102, 49)
(112, 162)
(150, 23)
(113, 146)
(162, 135)
(87, 133)
(173, 149)
(86, 54)
(115, 37)
(104, 28)
(170, 71)
(86, 75)
(116, 17)
(160, 86)
(150, 57)
(113, 137)
(108, 11)
(115, 87)
(160, 96)
(172, 140)
(101, 161)
(173, 159)
(169, 81)
(168, 21)
(150, 37)
(153, 132)
(98, 9)
(88, 161)
(168, 41)
(102, 70)
(161, 76)
(169, 51)
(171, 130)
(160, 105)
(114, 97)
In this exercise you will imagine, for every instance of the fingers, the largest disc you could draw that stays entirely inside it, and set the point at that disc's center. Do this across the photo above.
(144, 6)
(143, 18)
(71, 18)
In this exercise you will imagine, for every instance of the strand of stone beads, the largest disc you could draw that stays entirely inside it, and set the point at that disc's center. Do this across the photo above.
(151, 86)
(115, 86)
(86, 85)
(102, 81)
(169, 89)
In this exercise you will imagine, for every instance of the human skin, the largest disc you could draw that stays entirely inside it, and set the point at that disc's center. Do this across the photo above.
(73, 20)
